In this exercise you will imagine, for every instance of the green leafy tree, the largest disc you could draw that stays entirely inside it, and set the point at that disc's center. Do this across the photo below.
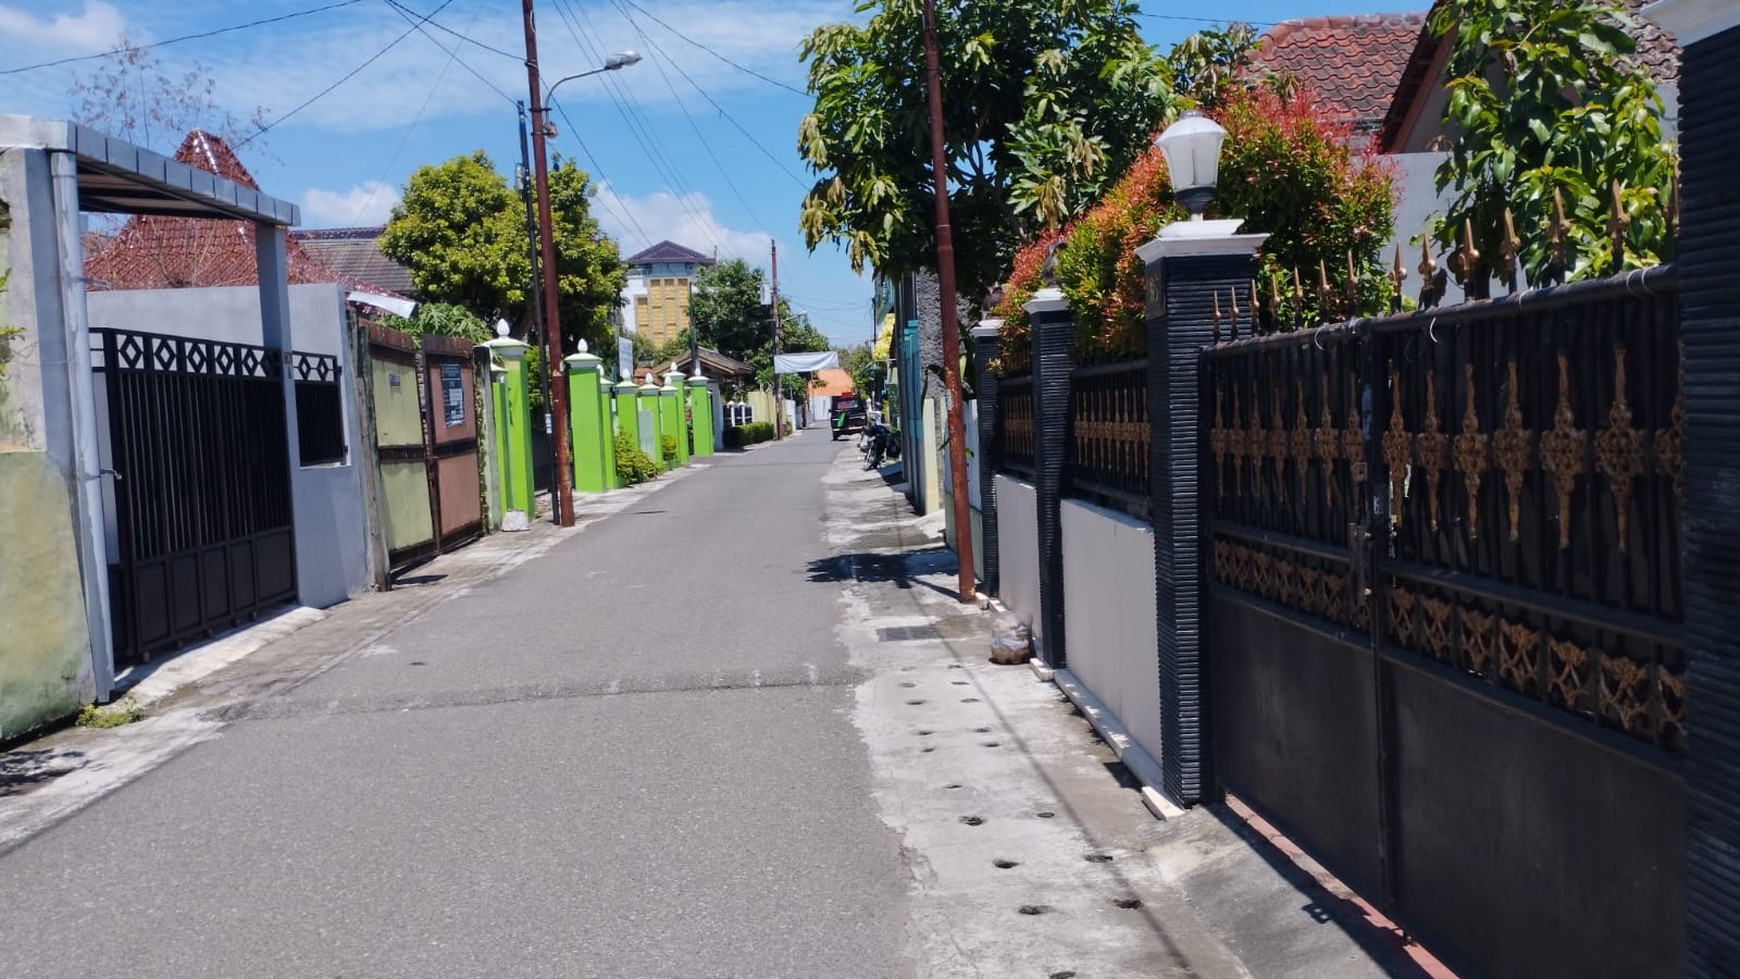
(1045, 103)
(727, 309)
(866, 372)
(1546, 97)
(461, 231)
(1208, 64)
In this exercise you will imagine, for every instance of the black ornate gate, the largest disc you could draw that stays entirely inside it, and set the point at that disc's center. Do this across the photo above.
(1444, 619)
(201, 487)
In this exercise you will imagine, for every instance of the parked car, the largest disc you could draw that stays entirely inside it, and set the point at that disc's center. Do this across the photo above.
(845, 415)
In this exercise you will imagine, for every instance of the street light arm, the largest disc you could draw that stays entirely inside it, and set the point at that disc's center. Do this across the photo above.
(616, 62)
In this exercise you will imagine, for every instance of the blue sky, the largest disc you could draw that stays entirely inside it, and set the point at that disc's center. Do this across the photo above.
(715, 171)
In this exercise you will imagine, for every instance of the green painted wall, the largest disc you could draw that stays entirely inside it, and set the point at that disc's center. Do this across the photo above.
(701, 416)
(671, 424)
(607, 421)
(396, 416)
(519, 490)
(628, 411)
(405, 504)
(45, 658)
(587, 432)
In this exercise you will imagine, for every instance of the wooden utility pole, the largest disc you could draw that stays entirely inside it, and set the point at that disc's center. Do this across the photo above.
(561, 484)
(951, 328)
(778, 393)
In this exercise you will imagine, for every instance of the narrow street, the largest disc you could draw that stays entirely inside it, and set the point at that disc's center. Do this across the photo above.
(735, 729)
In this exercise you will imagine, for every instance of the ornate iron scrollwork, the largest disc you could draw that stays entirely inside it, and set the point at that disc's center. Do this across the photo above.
(1398, 447)
(1430, 447)
(1218, 442)
(1401, 621)
(1477, 640)
(1670, 442)
(1437, 629)
(1512, 445)
(1619, 448)
(1562, 452)
(1299, 440)
(1624, 693)
(1569, 664)
(1471, 456)
(1516, 655)
(1327, 440)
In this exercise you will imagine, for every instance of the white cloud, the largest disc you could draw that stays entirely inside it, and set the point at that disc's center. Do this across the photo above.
(98, 28)
(687, 220)
(368, 203)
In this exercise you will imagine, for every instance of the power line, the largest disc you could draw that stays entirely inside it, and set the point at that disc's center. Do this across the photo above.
(748, 71)
(452, 53)
(642, 132)
(1206, 20)
(185, 37)
(452, 56)
(430, 20)
(347, 77)
(622, 212)
(705, 143)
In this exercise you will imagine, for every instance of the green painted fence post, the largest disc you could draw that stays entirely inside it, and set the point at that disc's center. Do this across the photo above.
(628, 411)
(701, 414)
(498, 385)
(652, 425)
(589, 449)
(607, 428)
(677, 425)
(516, 435)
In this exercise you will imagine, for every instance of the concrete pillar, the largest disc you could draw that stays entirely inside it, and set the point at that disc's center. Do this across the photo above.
(1709, 34)
(588, 432)
(651, 423)
(987, 344)
(627, 413)
(676, 421)
(1184, 273)
(515, 434)
(607, 429)
(498, 385)
(1053, 344)
(701, 414)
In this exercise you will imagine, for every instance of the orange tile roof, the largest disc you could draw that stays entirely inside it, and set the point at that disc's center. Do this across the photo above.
(156, 252)
(1350, 65)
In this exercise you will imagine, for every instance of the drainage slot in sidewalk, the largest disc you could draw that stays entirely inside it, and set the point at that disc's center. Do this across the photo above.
(973, 820)
(958, 683)
(1004, 864)
(1065, 974)
(1045, 815)
(981, 730)
(1129, 903)
(1033, 909)
(1098, 858)
(908, 683)
(969, 700)
(914, 703)
(953, 785)
(907, 633)
(956, 666)
(418, 662)
(925, 751)
(992, 744)
(924, 734)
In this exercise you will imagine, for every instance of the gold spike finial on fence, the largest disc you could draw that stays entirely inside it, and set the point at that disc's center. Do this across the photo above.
(1428, 272)
(1298, 298)
(1352, 286)
(1470, 254)
(1255, 305)
(1217, 316)
(1275, 294)
(1508, 247)
(1617, 222)
(1398, 275)
(1324, 293)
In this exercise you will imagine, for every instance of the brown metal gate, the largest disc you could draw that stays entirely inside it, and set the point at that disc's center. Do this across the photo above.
(1444, 620)
(423, 418)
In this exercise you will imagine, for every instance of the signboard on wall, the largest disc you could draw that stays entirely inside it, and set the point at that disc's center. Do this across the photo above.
(452, 395)
(624, 357)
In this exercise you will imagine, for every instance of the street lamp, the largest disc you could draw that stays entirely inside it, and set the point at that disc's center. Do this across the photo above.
(1192, 150)
(562, 484)
(616, 62)
(1191, 147)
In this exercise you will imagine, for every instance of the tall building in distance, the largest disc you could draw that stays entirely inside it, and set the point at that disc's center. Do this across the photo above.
(659, 282)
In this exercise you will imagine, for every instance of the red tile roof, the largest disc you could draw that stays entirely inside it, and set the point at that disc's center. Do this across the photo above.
(1350, 65)
(1655, 49)
(155, 252)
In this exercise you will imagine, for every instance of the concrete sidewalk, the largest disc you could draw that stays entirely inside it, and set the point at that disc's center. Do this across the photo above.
(1063, 841)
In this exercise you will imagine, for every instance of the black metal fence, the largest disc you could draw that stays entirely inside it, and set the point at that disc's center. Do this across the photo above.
(1108, 445)
(201, 486)
(320, 431)
(1017, 425)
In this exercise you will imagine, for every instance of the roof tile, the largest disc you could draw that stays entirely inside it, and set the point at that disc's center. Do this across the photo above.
(1350, 64)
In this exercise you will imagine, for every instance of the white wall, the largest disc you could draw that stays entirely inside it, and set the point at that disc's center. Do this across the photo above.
(1018, 550)
(1108, 600)
(331, 522)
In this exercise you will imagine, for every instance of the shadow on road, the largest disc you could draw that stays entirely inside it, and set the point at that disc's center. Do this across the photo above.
(898, 569)
(22, 771)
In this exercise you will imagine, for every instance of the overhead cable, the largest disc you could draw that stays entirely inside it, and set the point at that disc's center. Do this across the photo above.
(185, 37)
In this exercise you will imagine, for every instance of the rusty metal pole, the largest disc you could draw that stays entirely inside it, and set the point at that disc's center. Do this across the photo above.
(951, 329)
(561, 484)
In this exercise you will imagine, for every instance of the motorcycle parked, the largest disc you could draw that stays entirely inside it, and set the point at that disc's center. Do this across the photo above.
(879, 444)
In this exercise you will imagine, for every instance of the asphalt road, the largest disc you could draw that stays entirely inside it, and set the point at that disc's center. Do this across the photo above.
(632, 756)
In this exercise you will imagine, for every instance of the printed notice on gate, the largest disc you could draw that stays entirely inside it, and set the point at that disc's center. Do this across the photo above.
(453, 394)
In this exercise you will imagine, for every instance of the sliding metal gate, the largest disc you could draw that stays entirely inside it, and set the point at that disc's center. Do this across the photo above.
(200, 487)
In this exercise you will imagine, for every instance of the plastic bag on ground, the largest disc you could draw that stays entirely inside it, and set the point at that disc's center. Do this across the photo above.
(1011, 641)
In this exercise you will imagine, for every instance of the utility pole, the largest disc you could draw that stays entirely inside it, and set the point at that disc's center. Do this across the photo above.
(561, 485)
(537, 289)
(778, 392)
(967, 591)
